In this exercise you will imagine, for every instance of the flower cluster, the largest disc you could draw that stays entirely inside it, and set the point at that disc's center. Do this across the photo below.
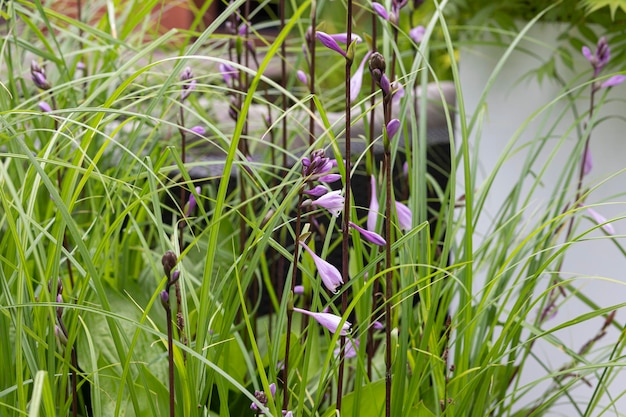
(599, 60)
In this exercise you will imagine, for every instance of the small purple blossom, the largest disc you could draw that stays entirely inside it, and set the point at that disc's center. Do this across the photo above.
(385, 85)
(600, 58)
(261, 397)
(392, 128)
(601, 220)
(198, 130)
(38, 75)
(302, 77)
(229, 73)
(332, 201)
(330, 42)
(317, 191)
(298, 289)
(380, 10)
(44, 107)
(372, 214)
(405, 217)
(331, 277)
(371, 237)
(377, 325)
(189, 84)
(417, 33)
(165, 299)
(356, 81)
(351, 348)
(613, 81)
(191, 205)
(329, 178)
(328, 320)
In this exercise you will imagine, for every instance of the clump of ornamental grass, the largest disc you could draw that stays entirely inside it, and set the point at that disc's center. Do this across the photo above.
(222, 242)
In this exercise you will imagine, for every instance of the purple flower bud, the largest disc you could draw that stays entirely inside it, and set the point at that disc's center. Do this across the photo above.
(298, 289)
(600, 58)
(385, 86)
(198, 130)
(392, 128)
(189, 84)
(331, 277)
(80, 66)
(601, 220)
(44, 107)
(405, 217)
(317, 165)
(343, 37)
(372, 214)
(165, 299)
(38, 75)
(317, 191)
(302, 77)
(417, 33)
(613, 81)
(380, 10)
(329, 42)
(229, 73)
(330, 178)
(377, 325)
(371, 237)
(330, 321)
(332, 201)
(191, 205)
(351, 348)
(357, 79)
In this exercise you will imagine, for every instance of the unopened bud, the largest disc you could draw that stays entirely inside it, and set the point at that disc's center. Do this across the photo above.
(169, 261)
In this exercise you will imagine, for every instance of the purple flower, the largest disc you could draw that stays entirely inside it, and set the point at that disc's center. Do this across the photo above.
(417, 33)
(380, 10)
(357, 79)
(405, 217)
(191, 205)
(601, 220)
(302, 77)
(332, 201)
(392, 128)
(330, 42)
(330, 321)
(317, 191)
(351, 348)
(298, 289)
(38, 75)
(229, 73)
(343, 37)
(261, 397)
(371, 237)
(377, 325)
(198, 130)
(587, 164)
(44, 107)
(189, 84)
(613, 81)
(385, 86)
(165, 299)
(600, 58)
(329, 178)
(372, 214)
(331, 277)
(317, 165)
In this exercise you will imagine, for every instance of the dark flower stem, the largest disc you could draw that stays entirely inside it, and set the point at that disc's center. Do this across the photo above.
(346, 209)
(170, 354)
(311, 48)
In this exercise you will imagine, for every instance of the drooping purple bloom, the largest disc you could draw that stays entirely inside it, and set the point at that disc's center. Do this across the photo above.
(328, 320)
(229, 73)
(329, 42)
(191, 205)
(613, 81)
(189, 83)
(372, 214)
(392, 128)
(317, 191)
(351, 348)
(329, 178)
(405, 217)
(198, 130)
(371, 237)
(601, 220)
(417, 33)
(332, 201)
(331, 277)
(44, 107)
(380, 10)
(302, 77)
(343, 37)
(38, 75)
(356, 81)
